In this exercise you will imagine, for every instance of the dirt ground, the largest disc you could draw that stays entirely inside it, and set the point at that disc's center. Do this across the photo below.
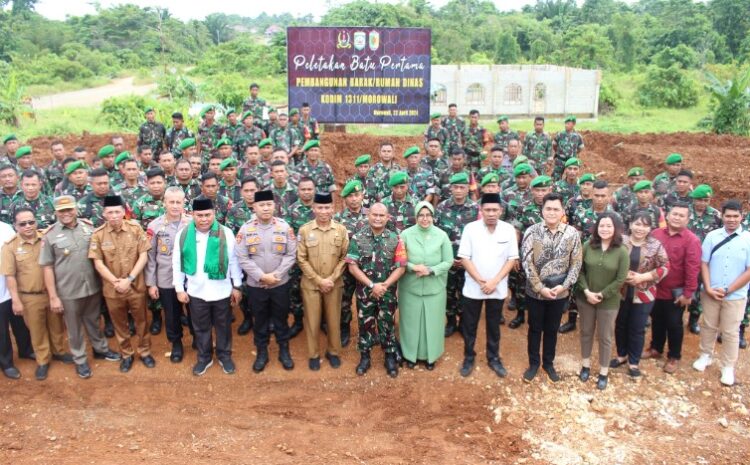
(167, 415)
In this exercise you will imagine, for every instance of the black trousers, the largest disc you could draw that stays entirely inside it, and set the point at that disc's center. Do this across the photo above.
(544, 322)
(630, 329)
(173, 314)
(9, 320)
(472, 312)
(207, 316)
(666, 325)
(270, 306)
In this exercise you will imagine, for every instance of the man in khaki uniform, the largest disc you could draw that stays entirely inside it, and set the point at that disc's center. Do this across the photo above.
(119, 249)
(20, 265)
(320, 254)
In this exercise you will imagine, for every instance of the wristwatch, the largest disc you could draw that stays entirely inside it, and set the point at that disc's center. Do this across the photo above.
(131, 278)
(371, 285)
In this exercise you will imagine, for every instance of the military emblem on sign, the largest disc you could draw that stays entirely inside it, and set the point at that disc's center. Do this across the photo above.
(374, 40)
(343, 40)
(360, 39)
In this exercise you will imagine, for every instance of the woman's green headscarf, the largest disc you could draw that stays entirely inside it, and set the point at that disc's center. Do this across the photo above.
(419, 207)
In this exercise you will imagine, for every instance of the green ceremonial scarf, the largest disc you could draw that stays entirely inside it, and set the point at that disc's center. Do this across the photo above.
(217, 260)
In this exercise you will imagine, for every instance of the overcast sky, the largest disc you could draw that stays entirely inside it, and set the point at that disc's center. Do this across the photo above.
(199, 9)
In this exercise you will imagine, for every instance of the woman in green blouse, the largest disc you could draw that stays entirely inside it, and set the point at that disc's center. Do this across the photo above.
(421, 291)
(605, 267)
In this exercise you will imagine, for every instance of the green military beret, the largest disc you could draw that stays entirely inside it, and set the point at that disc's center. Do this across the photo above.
(9, 138)
(206, 109)
(522, 168)
(570, 118)
(148, 109)
(434, 115)
(702, 191)
(264, 142)
(541, 181)
(351, 187)
(106, 151)
(588, 177)
(246, 114)
(521, 159)
(310, 144)
(642, 185)
(187, 143)
(231, 110)
(76, 165)
(573, 162)
(502, 118)
(293, 112)
(459, 178)
(362, 159)
(222, 141)
(635, 171)
(121, 158)
(673, 159)
(411, 151)
(23, 151)
(227, 162)
(398, 178)
(489, 178)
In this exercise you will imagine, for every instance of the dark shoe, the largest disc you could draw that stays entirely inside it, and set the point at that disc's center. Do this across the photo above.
(314, 364)
(334, 360)
(391, 367)
(148, 361)
(108, 356)
(467, 367)
(12, 373)
(567, 327)
(429, 366)
(693, 324)
(41, 372)
(155, 323)
(650, 354)
(126, 364)
(450, 326)
(109, 329)
(131, 325)
(410, 365)
(184, 321)
(601, 383)
(616, 363)
(83, 371)
(585, 374)
(502, 319)
(66, 358)
(512, 303)
(245, 326)
(743, 341)
(29, 356)
(295, 329)
(530, 373)
(227, 365)
(497, 366)
(517, 321)
(285, 357)
(552, 373)
(177, 352)
(345, 335)
(261, 360)
(671, 366)
(634, 372)
(199, 369)
(364, 363)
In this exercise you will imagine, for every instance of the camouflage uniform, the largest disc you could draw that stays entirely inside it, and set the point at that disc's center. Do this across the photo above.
(501, 172)
(435, 165)
(400, 213)
(654, 212)
(376, 257)
(299, 214)
(146, 209)
(72, 190)
(455, 127)
(256, 106)
(245, 136)
(261, 172)
(537, 148)
(154, 135)
(239, 214)
(366, 200)
(192, 190)
(568, 144)
(91, 208)
(502, 138)
(623, 198)
(515, 199)
(444, 182)
(208, 137)
(663, 183)
(353, 222)
(567, 190)
(286, 138)
(6, 200)
(233, 192)
(421, 183)
(574, 204)
(473, 145)
(701, 226)
(44, 210)
(131, 193)
(441, 134)
(585, 220)
(222, 205)
(377, 187)
(283, 198)
(321, 173)
(55, 173)
(451, 218)
(310, 128)
(175, 137)
(230, 130)
(672, 198)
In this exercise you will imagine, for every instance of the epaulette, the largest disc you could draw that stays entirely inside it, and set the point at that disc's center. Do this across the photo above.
(11, 239)
(100, 227)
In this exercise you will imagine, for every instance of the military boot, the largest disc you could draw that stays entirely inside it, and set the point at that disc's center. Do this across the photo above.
(451, 326)
(285, 357)
(391, 366)
(296, 327)
(364, 363)
(518, 320)
(570, 325)
(261, 360)
(156, 322)
(693, 324)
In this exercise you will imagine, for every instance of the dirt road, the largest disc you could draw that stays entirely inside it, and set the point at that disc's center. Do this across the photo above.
(92, 96)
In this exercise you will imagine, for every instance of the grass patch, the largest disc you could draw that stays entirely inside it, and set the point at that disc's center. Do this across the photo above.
(38, 90)
(60, 122)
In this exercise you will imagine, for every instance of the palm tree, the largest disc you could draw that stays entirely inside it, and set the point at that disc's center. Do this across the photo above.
(731, 114)
(12, 99)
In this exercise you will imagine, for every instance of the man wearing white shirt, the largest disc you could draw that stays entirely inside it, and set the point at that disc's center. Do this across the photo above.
(206, 276)
(488, 252)
(10, 320)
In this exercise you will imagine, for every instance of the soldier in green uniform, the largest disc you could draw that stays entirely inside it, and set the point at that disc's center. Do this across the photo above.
(31, 197)
(265, 147)
(224, 148)
(247, 134)
(504, 134)
(455, 125)
(210, 190)
(376, 260)
(269, 125)
(106, 155)
(451, 215)
(131, 188)
(24, 162)
(233, 125)
(436, 131)
(9, 190)
(421, 181)
(537, 146)
(91, 205)
(254, 166)
(490, 184)
(703, 219)
(284, 193)
(583, 199)
(150, 206)
(11, 144)
(77, 177)
(184, 180)
(664, 182)
(309, 124)
(254, 103)
(288, 138)
(189, 148)
(474, 137)
(145, 158)
(177, 134)
(519, 193)
(567, 144)
(585, 218)
(458, 165)
(361, 167)
(300, 212)
(117, 176)
(495, 166)
(568, 185)
(209, 131)
(683, 183)
(152, 133)
(229, 186)
(55, 170)
(435, 161)
(379, 175)
(624, 197)
(644, 203)
(295, 122)
(354, 218)
(313, 167)
(400, 204)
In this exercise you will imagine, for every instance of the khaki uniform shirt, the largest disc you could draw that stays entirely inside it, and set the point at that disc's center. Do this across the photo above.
(66, 250)
(21, 260)
(321, 253)
(265, 248)
(161, 235)
(119, 250)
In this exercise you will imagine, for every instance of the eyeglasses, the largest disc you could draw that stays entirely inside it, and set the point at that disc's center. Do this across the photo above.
(23, 224)
(424, 215)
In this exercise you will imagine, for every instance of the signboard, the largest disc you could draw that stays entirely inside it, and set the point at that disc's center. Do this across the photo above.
(360, 74)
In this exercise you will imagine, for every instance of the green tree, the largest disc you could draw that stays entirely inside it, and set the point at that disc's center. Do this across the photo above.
(731, 18)
(587, 46)
(218, 26)
(731, 104)
(12, 99)
(667, 88)
(507, 49)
